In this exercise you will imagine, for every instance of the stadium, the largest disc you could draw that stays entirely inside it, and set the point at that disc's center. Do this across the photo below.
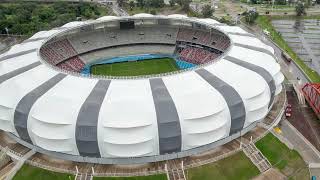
(139, 89)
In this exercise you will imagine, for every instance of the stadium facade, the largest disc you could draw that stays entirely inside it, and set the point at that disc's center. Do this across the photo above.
(49, 105)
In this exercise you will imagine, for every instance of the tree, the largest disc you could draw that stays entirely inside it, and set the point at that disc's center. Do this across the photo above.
(185, 4)
(251, 16)
(158, 3)
(131, 5)
(61, 7)
(173, 2)
(290, 2)
(280, 2)
(121, 2)
(141, 3)
(63, 19)
(153, 12)
(300, 9)
(154, 3)
(207, 11)
(46, 14)
(253, 1)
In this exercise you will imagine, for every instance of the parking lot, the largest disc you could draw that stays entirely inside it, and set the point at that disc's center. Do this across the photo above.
(303, 36)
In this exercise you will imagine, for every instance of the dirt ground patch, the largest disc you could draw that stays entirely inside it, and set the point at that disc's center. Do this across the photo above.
(271, 174)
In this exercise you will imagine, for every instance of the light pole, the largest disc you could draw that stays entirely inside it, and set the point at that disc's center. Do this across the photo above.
(7, 31)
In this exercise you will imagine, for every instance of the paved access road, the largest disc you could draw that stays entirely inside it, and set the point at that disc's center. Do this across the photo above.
(309, 154)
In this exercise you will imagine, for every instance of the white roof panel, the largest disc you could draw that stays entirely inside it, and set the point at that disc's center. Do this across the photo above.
(251, 41)
(12, 64)
(232, 29)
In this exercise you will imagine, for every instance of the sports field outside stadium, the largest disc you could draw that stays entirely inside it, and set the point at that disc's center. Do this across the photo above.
(136, 68)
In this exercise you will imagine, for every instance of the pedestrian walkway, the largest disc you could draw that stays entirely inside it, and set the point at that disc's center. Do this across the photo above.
(6, 170)
(84, 177)
(314, 170)
(308, 152)
(175, 170)
(256, 157)
(19, 164)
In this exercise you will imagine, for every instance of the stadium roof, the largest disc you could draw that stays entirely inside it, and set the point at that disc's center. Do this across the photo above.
(156, 118)
(105, 18)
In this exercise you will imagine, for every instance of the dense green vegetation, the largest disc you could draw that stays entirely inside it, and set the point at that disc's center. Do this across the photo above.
(289, 162)
(265, 23)
(207, 11)
(159, 7)
(279, 2)
(300, 9)
(154, 177)
(34, 173)
(250, 16)
(237, 166)
(133, 9)
(155, 3)
(26, 18)
(136, 68)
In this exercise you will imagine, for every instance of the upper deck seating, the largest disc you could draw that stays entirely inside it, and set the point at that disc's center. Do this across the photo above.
(58, 51)
(214, 40)
(100, 39)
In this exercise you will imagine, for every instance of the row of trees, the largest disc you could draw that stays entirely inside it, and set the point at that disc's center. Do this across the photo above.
(300, 9)
(280, 2)
(207, 11)
(277, 2)
(154, 3)
(185, 4)
(251, 16)
(142, 3)
(27, 17)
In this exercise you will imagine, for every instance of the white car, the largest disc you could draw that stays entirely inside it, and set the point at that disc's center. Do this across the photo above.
(266, 32)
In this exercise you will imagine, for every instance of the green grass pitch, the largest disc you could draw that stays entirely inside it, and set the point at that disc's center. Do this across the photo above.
(136, 68)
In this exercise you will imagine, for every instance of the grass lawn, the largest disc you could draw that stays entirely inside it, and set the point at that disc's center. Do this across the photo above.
(34, 173)
(154, 177)
(265, 23)
(289, 162)
(237, 167)
(135, 68)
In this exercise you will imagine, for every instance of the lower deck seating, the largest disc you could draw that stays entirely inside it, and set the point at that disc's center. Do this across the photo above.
(74, 64)
(196, 55)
